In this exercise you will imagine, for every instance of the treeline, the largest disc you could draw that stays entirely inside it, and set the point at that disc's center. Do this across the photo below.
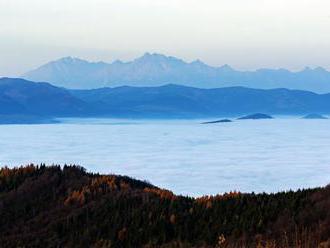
(44, 206)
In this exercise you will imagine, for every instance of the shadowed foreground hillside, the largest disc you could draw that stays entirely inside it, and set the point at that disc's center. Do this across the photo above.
(52, 207)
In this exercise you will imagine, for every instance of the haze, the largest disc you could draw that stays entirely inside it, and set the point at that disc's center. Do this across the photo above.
(245, 34)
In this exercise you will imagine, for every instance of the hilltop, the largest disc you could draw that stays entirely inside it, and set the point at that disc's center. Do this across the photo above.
(314, 116)
(257, 116)
(52, 207)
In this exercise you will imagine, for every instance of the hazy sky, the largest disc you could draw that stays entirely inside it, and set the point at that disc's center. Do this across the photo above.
(246, 34)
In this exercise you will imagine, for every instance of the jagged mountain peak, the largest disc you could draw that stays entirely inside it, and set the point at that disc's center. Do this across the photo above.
(70, 60)
(317, 69)
(117, 62)
(226, 67)
(155, 69)
(157, 57)
(320, 69)
(198, 62)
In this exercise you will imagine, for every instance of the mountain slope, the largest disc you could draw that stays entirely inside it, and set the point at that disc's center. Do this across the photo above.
(22, 97)
(54, 207)
(181, 101)
(157, 70)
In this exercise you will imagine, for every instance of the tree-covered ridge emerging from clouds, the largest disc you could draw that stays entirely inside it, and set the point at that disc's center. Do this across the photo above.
(64, 207)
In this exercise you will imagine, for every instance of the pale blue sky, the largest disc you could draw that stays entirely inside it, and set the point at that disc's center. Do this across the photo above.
(246, 34)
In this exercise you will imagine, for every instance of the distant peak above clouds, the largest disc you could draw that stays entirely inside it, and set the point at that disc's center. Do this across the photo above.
(158, 58)
(70, 60)
(154, 69)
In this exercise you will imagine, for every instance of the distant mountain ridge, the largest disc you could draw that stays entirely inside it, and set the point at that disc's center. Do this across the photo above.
(22, 97)
(19, 97)
(177, 101)
(157, 70)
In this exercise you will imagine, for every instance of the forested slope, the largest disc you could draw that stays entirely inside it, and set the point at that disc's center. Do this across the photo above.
(52, 207)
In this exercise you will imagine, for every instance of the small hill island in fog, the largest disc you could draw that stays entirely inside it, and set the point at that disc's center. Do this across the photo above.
(314, 116)
(257, 116)
(217, 121)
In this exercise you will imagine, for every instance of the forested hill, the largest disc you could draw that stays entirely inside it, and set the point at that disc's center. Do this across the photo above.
(53, 207)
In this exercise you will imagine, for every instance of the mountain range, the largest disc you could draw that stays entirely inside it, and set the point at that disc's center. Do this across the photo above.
(182, 101)
(157, 70)
(22, 97)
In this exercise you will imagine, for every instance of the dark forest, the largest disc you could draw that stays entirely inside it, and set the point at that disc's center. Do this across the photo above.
(53, 206)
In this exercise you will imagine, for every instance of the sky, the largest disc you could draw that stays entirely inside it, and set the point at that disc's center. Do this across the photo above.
(246, 34)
